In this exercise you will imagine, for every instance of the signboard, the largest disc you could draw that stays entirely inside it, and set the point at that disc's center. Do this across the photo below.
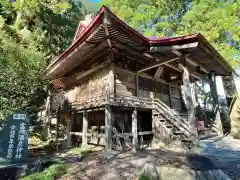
(14, 139)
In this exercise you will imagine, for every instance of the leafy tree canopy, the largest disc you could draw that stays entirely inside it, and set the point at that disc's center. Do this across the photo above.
(32, 32)
(218, 21)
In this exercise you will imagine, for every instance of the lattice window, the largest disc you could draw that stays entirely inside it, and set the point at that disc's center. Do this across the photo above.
(146, 84)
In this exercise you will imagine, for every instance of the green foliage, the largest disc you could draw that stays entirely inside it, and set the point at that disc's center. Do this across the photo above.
(48, 174)
(22, 76)
(218, 21)
(32, 32)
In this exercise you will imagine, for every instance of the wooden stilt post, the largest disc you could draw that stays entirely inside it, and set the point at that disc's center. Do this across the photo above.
(67, 118)
(108, 128)
(84, 128)
(69, 127)
(134, 130)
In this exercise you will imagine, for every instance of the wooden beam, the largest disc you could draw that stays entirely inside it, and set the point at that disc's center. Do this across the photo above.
(158, 64)
(127, 56)
(60, 62)
(158, 72)
(129, 49)
(189, 60)
(195, 75)
(84, 74)
(173, 47)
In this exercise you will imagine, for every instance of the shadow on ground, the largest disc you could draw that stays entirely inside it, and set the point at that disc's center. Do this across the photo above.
(170, 165)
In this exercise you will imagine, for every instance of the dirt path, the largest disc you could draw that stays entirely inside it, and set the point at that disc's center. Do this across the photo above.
(170, 165)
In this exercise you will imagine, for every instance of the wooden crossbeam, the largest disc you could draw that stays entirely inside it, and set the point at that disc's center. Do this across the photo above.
(177, 69)
(159, 72)
(174, 47)
(189, 60)
(158, 64)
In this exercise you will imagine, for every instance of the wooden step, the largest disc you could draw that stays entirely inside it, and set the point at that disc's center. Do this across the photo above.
(162, 120)
(169, 125)
(186, 140)
(206, 136)
(177, 132)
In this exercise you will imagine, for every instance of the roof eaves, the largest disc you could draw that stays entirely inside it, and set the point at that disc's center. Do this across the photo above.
(221, 59)
(126, 27)
(81, 38)
(174, 40)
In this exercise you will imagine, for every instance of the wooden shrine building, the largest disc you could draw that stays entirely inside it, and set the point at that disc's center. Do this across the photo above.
(124, 89)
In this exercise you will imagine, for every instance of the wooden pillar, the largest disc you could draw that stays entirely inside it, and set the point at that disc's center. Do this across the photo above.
(188, 98)
(67, 118)
(222, 115)
(84, 128)
(170, 95)
(108, 127)
(137, 86)
(214, 95)
(47, 116)
(134, 130)
(111, 82)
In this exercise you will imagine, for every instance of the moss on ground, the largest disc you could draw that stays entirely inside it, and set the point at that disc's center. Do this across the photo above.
(57, 170)
(79, 151)
(50, 173)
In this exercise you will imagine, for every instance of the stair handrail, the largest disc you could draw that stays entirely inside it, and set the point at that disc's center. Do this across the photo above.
(173, 115)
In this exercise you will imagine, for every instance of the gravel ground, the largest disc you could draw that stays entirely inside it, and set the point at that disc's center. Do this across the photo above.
(225, 153)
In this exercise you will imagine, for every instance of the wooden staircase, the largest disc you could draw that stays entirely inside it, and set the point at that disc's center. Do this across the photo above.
(169, 125)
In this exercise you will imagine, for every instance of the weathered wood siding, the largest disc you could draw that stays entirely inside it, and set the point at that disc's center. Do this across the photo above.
(125, 83)
(92, 86)
(162, 93)
(176, 98)
(146, 87)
